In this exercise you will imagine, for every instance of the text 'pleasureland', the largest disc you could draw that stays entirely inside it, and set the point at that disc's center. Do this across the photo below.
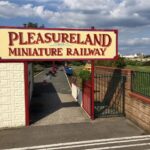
(58, 44)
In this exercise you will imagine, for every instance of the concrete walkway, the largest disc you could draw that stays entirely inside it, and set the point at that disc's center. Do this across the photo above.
(103, 128)
(64, 121)
(52, 103)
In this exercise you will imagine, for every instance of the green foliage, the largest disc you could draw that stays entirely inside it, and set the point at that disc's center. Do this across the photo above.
(146, 63)
(139, 63)
(43, 64)
(77, 80)
(32, 25)
(77, 63)
(120, 63)
(140, 82)
(130, 62)
(85, 75)
(103, 63)
(147, 56)
(133, 62)
(139, 68)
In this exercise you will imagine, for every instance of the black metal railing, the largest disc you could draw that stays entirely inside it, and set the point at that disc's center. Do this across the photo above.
(140, 83)
(109, 95)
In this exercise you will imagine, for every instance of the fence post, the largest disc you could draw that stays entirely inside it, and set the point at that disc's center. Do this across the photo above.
(92, 89)
(82, 94)
(92, 83)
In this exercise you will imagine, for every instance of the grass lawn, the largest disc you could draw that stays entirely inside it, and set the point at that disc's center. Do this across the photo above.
(141, 83)
(141, 80)
(139, 68)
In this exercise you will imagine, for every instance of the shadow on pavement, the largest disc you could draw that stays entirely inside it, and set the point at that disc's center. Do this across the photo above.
(45, 101)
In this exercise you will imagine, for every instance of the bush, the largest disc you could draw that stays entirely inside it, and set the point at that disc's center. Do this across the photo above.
(77, 63)
(85, 75)
(134, 62)
(130, 62)
(139, 63)
(120, 63)
(146, 63)
(103, 63)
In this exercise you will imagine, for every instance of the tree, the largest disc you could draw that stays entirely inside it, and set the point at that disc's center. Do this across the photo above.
(33, 25)
(120, 63)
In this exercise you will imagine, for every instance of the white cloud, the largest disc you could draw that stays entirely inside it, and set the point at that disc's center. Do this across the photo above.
(10, 10)
(131, 17)
(144, 41)
(83, 13)
(44, 1)
(89, 5)
(110, 13)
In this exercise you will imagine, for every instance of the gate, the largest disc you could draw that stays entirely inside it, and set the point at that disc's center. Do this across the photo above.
(87, 94)
(109, 95)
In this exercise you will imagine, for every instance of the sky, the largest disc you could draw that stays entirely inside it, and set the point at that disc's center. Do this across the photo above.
(130, 17)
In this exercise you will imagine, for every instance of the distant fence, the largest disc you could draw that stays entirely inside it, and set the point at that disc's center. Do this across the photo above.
(140, 83)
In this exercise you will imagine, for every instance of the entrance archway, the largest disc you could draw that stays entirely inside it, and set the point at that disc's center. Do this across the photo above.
(24, 45)
(52, 101)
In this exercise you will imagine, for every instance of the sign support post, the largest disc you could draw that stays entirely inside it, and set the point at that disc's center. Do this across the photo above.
(24, 44)
(92, 96)
(45, 44)
(92, 80)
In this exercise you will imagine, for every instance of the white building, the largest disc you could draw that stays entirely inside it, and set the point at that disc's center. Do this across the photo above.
(131, 56)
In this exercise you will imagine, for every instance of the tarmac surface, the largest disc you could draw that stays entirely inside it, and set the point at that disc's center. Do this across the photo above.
(104, 128)
(57, 122)
(52, 102)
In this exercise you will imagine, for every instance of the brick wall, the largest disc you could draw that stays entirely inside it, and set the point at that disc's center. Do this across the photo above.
(12, 99)
(138, 110)
(137, 107)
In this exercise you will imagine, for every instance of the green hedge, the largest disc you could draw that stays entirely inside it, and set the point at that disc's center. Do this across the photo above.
(85, 75)
(146, 63)
(120, 63)
(78, 63)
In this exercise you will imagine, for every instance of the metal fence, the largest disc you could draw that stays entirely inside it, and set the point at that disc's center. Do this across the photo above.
(109, 95)
(140, 83)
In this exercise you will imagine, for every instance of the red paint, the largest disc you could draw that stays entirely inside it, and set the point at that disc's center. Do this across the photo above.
(92, 96)
(26, 93)
(40, 60)
(140, 97)
(116, 57)
(91, 85)
(68, 29)
(60, 29)
(86, 97)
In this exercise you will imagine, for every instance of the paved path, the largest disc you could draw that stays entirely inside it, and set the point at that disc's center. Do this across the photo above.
(122, 143)
(102, 130)
(53, 103)
(67, 126)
